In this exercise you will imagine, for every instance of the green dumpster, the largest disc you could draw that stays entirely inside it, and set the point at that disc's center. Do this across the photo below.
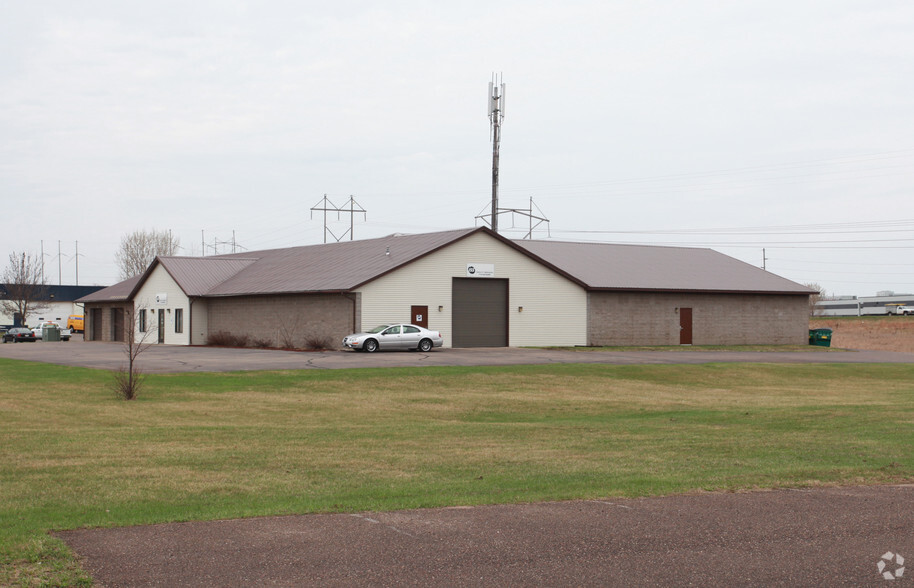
(50, 333)
(820, 337)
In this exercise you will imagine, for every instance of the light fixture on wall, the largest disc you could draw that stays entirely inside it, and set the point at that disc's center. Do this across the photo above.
(520, 309)
(440, 308)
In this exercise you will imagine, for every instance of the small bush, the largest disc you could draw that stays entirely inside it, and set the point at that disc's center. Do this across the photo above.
(261, 343)
(318, 343)
(126, 385)
(226, 339)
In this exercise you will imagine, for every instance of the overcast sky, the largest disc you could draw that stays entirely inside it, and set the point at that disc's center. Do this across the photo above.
(740, 126)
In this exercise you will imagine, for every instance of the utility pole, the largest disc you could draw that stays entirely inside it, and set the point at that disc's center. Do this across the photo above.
(496, 116)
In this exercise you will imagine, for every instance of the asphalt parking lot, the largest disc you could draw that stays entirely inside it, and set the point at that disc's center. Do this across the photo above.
(173, 358)
(821, 537)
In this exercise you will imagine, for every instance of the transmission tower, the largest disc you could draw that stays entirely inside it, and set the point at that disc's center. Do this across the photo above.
(527, 212)
(218, 246)
(496, 116)
(325, 206)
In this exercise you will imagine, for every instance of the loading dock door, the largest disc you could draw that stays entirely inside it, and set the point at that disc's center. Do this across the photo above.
(480, 315)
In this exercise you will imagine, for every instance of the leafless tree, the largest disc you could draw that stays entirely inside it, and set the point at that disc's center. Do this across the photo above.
(26, 290)
(815, 298)
(139, 248)
(139, 337)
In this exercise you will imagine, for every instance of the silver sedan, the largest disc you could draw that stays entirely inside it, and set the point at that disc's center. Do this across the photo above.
(402, 336)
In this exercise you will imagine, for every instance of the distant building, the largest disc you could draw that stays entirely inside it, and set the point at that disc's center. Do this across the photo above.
(57, 304)
(861, 305)
(477, 287)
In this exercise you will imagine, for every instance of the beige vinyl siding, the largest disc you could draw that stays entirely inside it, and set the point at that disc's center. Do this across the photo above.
(159, 282)
(197, 322)
(554, 308)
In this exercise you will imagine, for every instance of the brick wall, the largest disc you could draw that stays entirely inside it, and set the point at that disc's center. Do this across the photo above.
(644, 318)
(286, 318)
(105, 333)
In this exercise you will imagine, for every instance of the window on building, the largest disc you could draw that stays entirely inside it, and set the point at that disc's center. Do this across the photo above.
(179, 320)
(141, 320)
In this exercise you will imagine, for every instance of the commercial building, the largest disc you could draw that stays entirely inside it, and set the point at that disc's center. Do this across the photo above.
(52, 303)
(478, 288)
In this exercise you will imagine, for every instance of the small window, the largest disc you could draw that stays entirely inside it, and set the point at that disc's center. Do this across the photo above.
(409, 329)
(392, 331)
(179, 320)
(141, 320)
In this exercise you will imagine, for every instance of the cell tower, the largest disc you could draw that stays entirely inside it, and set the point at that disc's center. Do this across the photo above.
(496, 116)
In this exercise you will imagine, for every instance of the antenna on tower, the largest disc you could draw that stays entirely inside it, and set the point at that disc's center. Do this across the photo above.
(496, 116)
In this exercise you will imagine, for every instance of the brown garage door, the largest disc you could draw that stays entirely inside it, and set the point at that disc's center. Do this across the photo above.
(480, 317)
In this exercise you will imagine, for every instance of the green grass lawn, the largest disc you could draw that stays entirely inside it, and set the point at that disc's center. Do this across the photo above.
(207, 446)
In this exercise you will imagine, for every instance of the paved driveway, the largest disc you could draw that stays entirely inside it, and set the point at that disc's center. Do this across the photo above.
(171, 358)
(824, 537)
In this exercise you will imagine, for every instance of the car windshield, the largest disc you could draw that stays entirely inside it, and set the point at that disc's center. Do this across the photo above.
(378, 329)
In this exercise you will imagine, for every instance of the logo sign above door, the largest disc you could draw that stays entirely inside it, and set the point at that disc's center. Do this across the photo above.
(480, 270)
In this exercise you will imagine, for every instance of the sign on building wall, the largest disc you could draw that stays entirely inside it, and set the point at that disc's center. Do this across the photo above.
(161, 298)
(480, 270)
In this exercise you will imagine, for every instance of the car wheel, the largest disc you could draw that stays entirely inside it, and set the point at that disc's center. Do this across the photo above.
(425, 345)
(370, 346)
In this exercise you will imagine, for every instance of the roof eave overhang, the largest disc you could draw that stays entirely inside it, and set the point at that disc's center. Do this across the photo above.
(700, 291)
(274, 293)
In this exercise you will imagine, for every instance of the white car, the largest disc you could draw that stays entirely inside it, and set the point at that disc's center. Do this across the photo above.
(401, 336)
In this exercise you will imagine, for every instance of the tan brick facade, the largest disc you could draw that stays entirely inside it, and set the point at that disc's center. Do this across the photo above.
(645, 318)
(103, 328)
(284, 319)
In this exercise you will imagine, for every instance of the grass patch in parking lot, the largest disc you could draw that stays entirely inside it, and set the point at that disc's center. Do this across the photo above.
(209, 446)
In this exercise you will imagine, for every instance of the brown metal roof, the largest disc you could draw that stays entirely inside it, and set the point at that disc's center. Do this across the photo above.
(344, 266)
(604, 266)
(117, 292)
(198, 275)
(331, 267)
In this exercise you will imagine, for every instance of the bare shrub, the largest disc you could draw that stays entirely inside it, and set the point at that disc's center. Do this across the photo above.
(226, 339)
(288, 334)
(318, 343)
(127, 384)
(261, 343)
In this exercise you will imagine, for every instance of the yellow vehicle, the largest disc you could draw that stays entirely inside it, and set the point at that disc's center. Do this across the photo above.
(75, 323)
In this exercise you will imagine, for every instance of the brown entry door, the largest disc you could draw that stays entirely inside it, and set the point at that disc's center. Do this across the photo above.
(685, 326)
(419, 316)
(161, 329)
